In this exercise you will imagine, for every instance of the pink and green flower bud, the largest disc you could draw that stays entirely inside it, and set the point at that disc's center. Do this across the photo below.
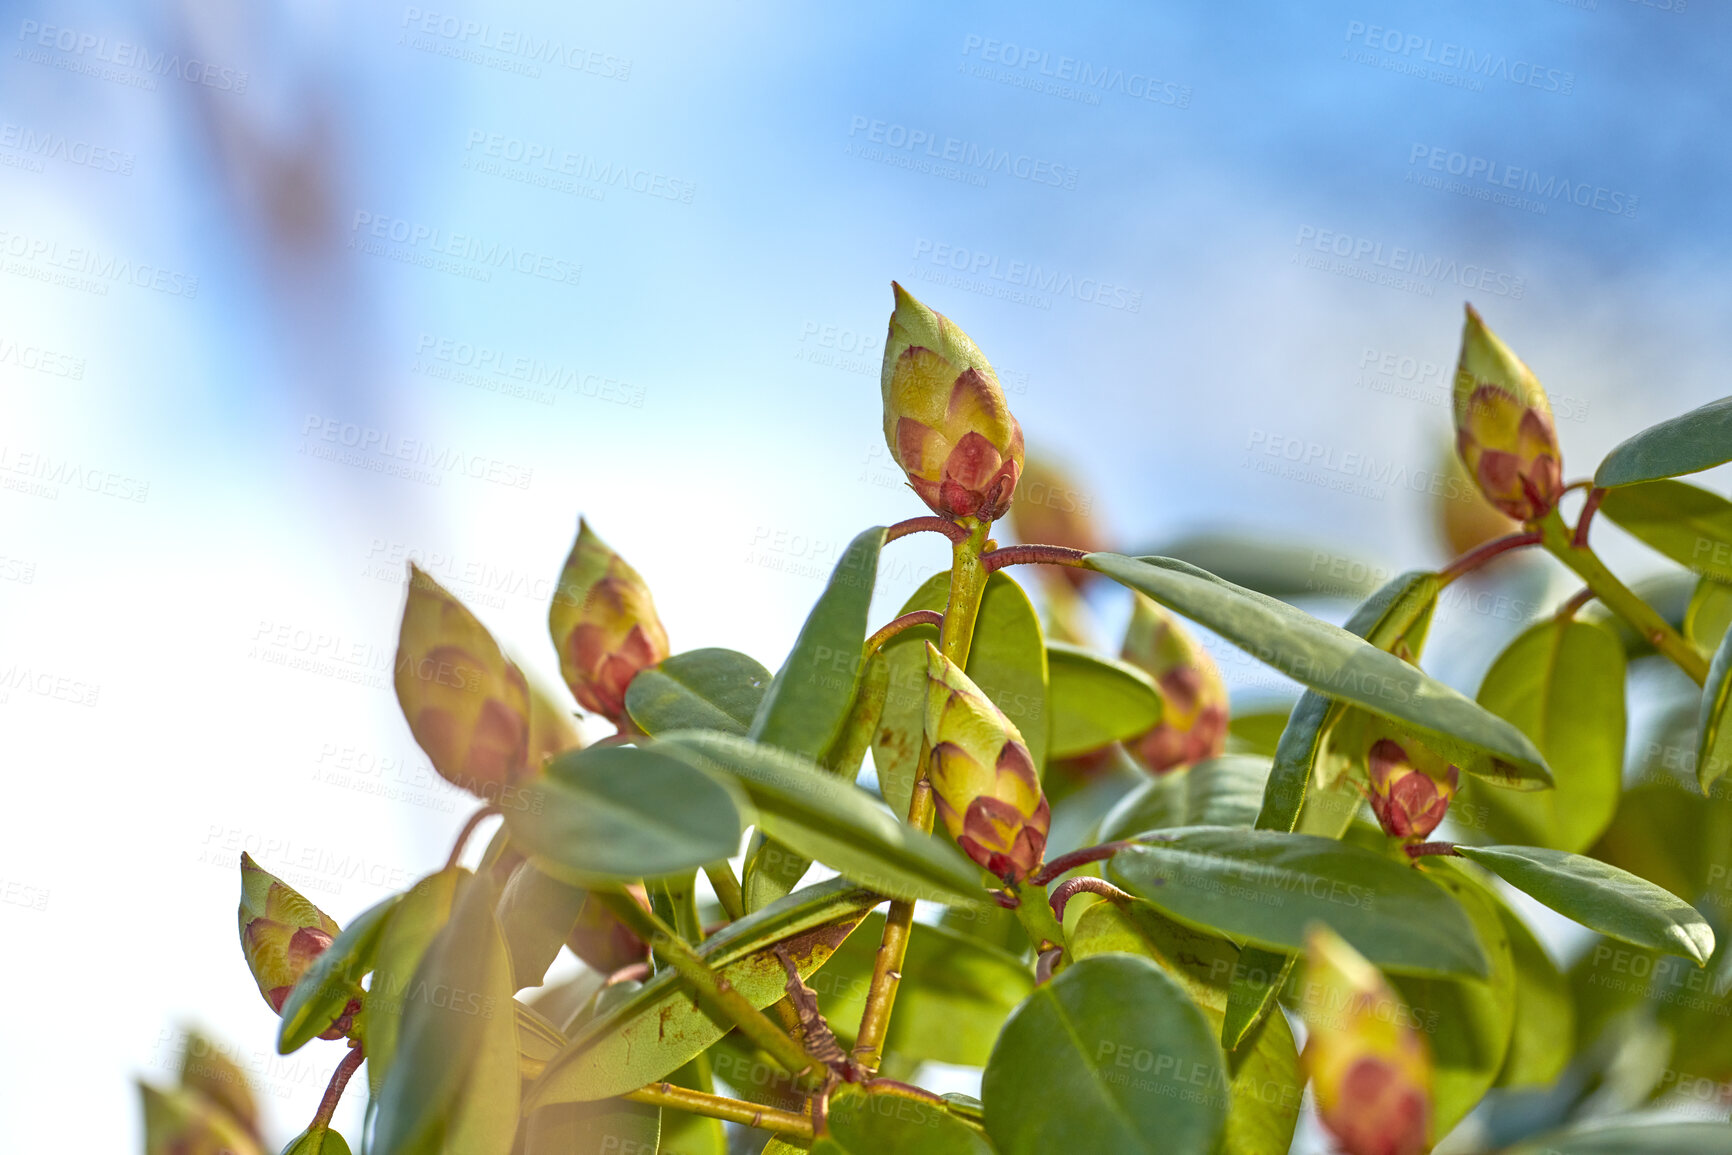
(552, 730)
(1370, 1072)
(945, 417)
(1503, 426)
(183, 1122)
(281, 934)
(604, 625)
(467, 703)
(983, 781)
(1050, 509)
(602, 940)
(1193, 722)
(1465, 519)
(1408, 787)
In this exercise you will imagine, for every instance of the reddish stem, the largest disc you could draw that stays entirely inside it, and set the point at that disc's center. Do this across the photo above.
(891, 629)
(1422, 849)
(1581, 598)
(334, 1092)
(1589, 508)
(943, 525)
(468, 829)
(1084, 882)
(1043, 966)
(1479, 555)
(1075, 859)
(1023, 554)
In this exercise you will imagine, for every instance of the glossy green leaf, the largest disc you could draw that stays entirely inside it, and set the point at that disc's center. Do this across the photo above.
(1251, 994)
(1698, 440)
(1109, 1056)
(711, 689)
(1285, 570)
(1669, 834)
(622, 813)
(955, 994)
(422, 914)
(1714, 735)
(1266, 887)
(1224, 791)
(1007, 661)
(661, 1027)
(1633, 1139)
(332, 980)
(1545, 1012)
(454, 1082)
(1688, 524)
(1096, 701)
(1266, 1082)
(831, 821)
(1257, 731)
(862, 1124)
(1562, 683)
(1335, 662)
(1708, 614)
(1601, 897)
(320, 1141)
(536, 913)
(608, 1127)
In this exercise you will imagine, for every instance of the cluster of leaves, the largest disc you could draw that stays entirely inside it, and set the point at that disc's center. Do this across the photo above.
(1130, 994)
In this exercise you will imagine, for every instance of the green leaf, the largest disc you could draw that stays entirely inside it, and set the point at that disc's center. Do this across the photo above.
(661, 1028)
(710, 689)
(1096, 701)
(1601, 897)
(1714, 741)
(1285, 570)
(1700, 439)
(608, 1127)
(1007, 661)
(622, 813)
(1251, 995)
(831, 821)
(1257, 731)
(955, 994)
(1265, 887)
(1334, 662)
(1708, 614)
(317, 1141)
(1224, 791)
(332, 980)
(420, 916)
(862, 1124)
(1634, 1139)
(1691, 526)
(536, 913)
(1562, 683)
(1109, 1056)
(454, 1082)
(684, 1133)
(1545, 1012)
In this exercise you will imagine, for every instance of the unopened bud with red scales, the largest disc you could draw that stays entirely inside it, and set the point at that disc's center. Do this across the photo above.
(604, 625)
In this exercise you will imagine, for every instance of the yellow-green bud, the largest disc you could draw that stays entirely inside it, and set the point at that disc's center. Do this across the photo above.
(1050, 509)
(1369, 1070)
(1409, 787)
(281, 934)
(1503, 426)
(466, 702)
(983, 781)
(1193, 722)
(945, 418)
(181, 1122)
(604, 625)
(206, 1069)
(1465, 519)
(552, 731)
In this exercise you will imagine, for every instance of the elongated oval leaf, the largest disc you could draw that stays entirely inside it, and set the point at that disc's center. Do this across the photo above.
(661, 1027)
(1109, 1056)
(1708, 614)
(1688, 524)
(536, 913)
(711, 689)
(1697, 440)
(1224, 791)
(831, 821)
(862, 1124)
(1333, 661)
(1562, 683)
(1601, 897)
(1713, 734)
(1545, 1013)
(622, 813)
(418, 919)
(1282, 569)
(332, 979)
(1096, 701)
(1634, 1139)
(1265, 887)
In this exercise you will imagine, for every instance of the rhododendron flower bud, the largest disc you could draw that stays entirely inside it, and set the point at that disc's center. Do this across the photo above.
(945, 418)
(552, 731)
(281, 934)
(183, 1122)
(1193, 722)
(1465, 519)
(604, 625)
(1409, 793)
(1369, 1070)
(466, 702)
(983, 780)
(1503, 426)
(602, 940)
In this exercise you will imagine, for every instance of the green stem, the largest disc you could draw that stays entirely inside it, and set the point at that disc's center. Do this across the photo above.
(727, 888)
(1620, 599)
(721, 1107)
(1037, 919)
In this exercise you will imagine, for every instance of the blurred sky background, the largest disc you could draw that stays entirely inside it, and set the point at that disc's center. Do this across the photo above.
(252, 256)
